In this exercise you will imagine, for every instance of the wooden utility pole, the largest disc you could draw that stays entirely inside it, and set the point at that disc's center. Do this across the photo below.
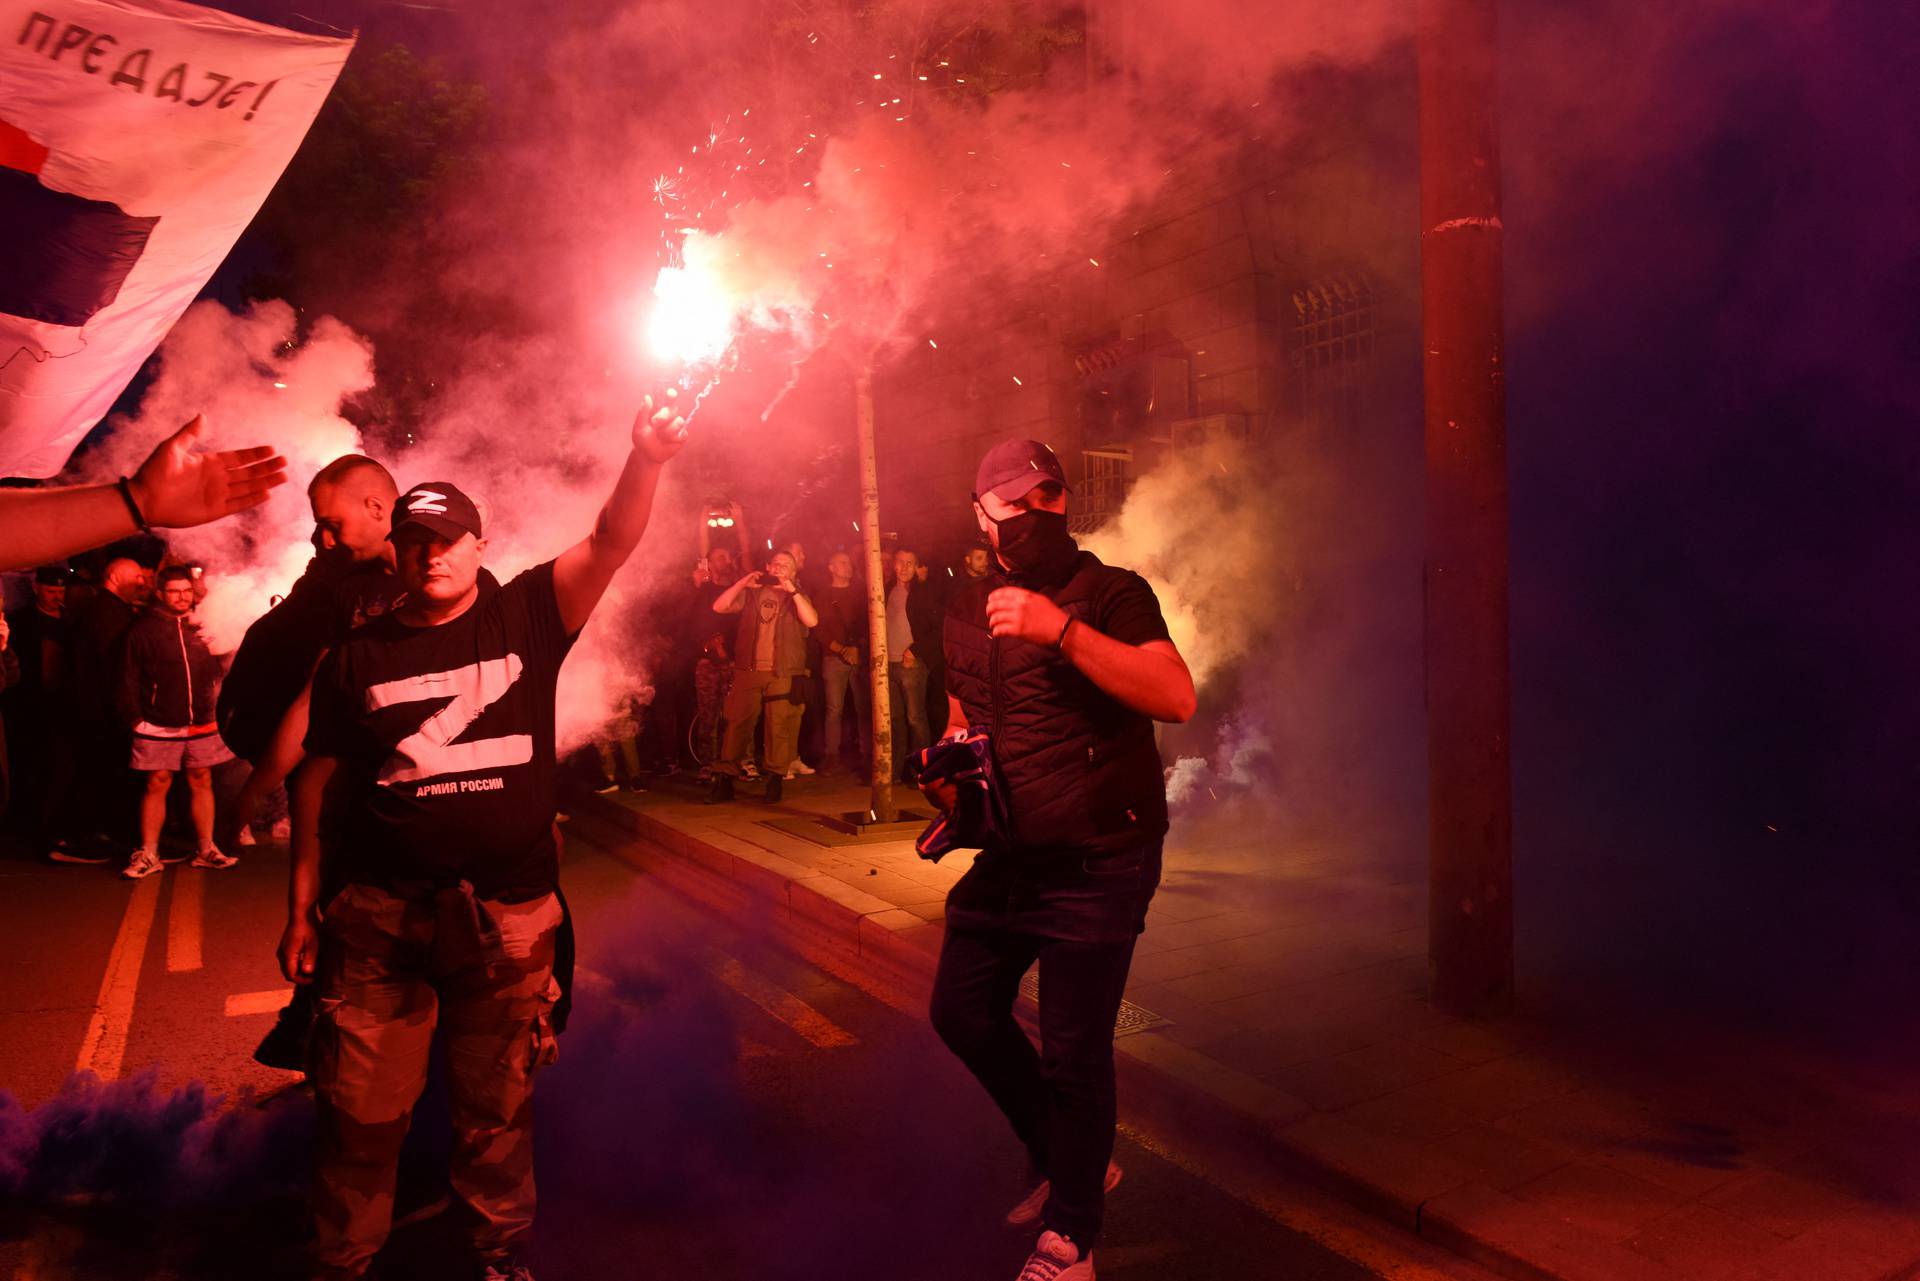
(1469, 715)
(882, 805)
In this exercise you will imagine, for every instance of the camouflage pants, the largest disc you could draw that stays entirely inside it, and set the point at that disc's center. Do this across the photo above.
(391, 968)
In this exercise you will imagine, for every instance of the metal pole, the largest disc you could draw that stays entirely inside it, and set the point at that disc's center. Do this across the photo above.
(882, 804)
(1469, 717)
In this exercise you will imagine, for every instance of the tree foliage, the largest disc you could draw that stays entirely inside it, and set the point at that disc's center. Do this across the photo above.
(352, 229)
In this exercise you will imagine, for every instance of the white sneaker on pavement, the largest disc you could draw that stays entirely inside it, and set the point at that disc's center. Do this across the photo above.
(143, 863)
(212, 859)
(1055, 1258)
(1027, 1212)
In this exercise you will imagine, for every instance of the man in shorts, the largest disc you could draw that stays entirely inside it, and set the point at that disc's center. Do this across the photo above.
(168, 685)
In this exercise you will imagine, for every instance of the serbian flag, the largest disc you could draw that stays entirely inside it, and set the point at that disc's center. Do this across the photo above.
(137, 140)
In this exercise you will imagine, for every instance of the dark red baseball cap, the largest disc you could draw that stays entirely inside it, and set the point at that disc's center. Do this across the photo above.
(1013, 467)
(439, 508)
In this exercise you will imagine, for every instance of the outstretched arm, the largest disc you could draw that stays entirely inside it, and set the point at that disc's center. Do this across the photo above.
(745, 543)
(582, 572)
(174, 489)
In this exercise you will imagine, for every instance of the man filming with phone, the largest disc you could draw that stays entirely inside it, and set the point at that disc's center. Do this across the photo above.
(769, 651)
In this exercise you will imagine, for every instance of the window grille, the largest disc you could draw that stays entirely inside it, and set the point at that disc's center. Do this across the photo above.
(1330, 349)
(1106, 476)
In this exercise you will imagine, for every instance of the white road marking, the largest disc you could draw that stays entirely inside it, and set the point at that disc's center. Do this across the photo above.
(241, 1004)
(785, 1006)
(105, 1044)
(184, 912)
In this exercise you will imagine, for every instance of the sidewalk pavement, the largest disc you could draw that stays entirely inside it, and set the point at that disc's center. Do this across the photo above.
(1278, 997)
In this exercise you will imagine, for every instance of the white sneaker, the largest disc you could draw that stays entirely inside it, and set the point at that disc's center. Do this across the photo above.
(243, 836)
(212, 859)
(799, 767)
(143, 863)
(1055, 1258)
(1027, 1212)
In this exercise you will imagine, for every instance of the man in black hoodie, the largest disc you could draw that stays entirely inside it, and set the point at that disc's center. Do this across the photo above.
(167, 697)
(90, 823)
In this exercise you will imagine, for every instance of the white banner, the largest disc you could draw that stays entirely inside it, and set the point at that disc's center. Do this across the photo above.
(137, 140)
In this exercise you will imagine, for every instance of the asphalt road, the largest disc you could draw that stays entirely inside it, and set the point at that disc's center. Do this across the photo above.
(721, 1110)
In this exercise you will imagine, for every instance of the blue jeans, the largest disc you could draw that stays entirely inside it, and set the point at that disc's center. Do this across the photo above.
(838, 680)
(910, 700)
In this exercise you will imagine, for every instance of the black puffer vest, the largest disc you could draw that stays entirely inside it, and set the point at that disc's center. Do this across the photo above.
(1082, 772)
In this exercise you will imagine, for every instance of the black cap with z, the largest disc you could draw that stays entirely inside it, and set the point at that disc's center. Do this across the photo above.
(439, 508)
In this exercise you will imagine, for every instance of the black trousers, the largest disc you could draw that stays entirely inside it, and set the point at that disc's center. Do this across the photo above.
(1061, 1098)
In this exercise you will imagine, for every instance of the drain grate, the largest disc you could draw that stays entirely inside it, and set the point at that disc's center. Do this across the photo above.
(1132, 1018)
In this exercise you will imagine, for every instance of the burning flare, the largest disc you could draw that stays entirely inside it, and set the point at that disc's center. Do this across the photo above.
(693, 312)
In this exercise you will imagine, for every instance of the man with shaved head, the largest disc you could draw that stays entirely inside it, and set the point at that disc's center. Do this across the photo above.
(352, 499)
(263, 703)
(262, 712)
(349, 580)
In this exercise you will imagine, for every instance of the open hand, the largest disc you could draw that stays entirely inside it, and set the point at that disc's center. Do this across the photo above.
(659, 432)
(177, 488)
(1015, 611)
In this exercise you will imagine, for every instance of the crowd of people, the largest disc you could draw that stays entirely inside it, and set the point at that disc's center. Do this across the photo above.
(401, 700)
(772, 671)
(108, 707)
(113, 751)
(76, 693)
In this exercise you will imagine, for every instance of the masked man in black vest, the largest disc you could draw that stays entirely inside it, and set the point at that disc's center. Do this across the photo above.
(1066, 663)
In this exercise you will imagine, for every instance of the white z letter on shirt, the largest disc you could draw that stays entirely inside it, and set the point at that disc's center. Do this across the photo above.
(430, 752)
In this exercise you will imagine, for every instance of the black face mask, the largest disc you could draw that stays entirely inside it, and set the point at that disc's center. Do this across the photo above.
(1036, 544)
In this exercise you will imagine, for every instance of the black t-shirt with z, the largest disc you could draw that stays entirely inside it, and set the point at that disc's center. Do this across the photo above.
(445, 740)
